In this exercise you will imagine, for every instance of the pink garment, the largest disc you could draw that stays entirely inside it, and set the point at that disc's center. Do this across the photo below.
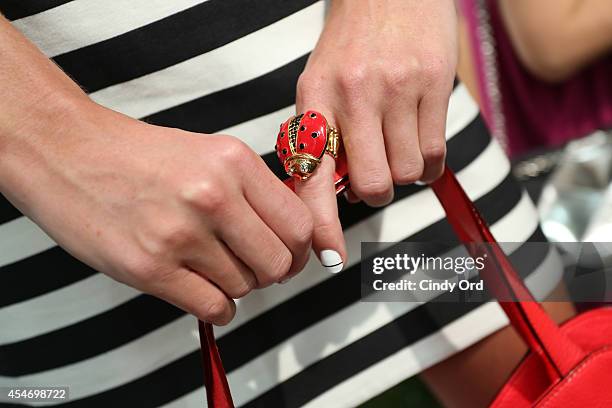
(535, 113)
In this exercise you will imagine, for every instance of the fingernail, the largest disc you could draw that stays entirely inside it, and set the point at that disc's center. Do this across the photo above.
(420, 183)
(331, 261)
(285, 280)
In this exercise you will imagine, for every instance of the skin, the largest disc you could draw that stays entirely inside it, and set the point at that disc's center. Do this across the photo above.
(388, 96)
(159, 209)
(556, 38)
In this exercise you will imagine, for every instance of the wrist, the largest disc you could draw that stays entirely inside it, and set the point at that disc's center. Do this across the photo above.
(32, 138)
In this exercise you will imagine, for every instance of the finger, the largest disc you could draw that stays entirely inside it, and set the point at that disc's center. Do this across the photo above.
(319, 194)
(251, 240)
(223, 268)
(402, 145)
(432, 127)
(369, 170)
(194, 294)
(284, 213)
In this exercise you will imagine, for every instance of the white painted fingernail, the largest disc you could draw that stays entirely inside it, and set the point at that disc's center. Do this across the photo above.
(331, 261)
(420, 183)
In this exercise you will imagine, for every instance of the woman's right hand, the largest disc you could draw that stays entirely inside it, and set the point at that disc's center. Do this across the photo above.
(191, 218)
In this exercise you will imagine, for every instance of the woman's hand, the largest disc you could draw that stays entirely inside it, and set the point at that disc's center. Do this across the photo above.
(194, 219)
(382, 73)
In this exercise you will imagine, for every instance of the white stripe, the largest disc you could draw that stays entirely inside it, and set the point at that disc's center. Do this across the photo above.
(462, 110)
(21, 238)
(456, 336)
(244, 59)
(122, 365)
(63, 307)
(80, 23)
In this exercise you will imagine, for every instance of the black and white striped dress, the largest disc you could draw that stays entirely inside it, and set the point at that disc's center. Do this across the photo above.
(231, 66)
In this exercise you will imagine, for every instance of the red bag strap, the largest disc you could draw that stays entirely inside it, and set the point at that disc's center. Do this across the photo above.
(217, 390)
(527, 316)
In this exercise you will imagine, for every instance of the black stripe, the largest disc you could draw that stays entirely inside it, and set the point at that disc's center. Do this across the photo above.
(171, 40)
(296, 314)
(39, 274)
(160, 387)
(7, 211)
(15, 9)
(220, 110)
(82, 340)
(378, 345)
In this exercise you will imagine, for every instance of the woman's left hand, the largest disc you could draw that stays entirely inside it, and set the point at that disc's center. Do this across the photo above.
(382, 72)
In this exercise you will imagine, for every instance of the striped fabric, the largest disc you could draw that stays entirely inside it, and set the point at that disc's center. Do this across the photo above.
(231, 66)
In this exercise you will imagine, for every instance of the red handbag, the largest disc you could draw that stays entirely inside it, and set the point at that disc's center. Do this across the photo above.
(566, 366)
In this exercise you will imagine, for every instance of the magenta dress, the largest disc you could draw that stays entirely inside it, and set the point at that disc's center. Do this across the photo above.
(523, 111)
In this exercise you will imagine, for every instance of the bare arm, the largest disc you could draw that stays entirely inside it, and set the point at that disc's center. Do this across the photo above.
(556, 38)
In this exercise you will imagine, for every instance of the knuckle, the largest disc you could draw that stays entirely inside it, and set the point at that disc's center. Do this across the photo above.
(434, 152)
(244, 288)
(436, 71)
(374, 190)
(307, 86)
(280, 264)
(140, 268)
(413, 67)
(207, 195)
(303, 230)
(408, 173)
(352, 81)
(176, 236)
(235, 151)
(397, 79)
(216, 310)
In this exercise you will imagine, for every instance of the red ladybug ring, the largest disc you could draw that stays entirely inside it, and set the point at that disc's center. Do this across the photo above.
(303, 140)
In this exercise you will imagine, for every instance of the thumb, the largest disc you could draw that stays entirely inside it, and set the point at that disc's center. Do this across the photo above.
(319, 195)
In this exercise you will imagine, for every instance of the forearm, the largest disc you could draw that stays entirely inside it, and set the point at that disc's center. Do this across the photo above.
(36, 100)
(555, 38)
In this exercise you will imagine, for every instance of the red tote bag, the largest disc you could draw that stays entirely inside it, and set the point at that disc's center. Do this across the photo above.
(566, 366)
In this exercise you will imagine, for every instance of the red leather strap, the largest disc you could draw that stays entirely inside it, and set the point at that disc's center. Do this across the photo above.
(526, 315)
(217, 390)
(537, 329)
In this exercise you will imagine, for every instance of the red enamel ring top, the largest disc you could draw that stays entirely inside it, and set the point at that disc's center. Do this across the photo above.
(303, 140)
